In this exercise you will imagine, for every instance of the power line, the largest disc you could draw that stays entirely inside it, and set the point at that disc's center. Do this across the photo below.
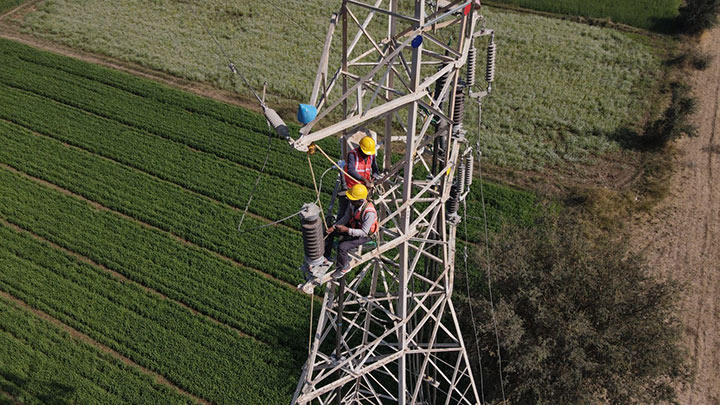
(487, 269)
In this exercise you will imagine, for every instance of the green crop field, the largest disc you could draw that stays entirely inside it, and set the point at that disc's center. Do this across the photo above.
(119, 203)
(563, 91)
(6, 5)
(649, 14)
(41, 363)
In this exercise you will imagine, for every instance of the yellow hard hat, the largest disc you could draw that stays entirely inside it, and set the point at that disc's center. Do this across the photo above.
(357, 192)
(367, 145)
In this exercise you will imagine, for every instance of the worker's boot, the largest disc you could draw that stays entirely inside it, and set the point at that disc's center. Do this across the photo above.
(339, 273)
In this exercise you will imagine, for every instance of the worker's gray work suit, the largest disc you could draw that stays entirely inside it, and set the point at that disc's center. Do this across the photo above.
(355, 237)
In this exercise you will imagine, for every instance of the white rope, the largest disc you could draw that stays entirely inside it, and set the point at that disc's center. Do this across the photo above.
(317, 192)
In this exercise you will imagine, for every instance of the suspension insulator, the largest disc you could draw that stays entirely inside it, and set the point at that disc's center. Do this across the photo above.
(490, 71)
(459, 108)
(277, 123)
(453, 203)
(312, 233)
(472, 59)
(469, 160)
(460, 178)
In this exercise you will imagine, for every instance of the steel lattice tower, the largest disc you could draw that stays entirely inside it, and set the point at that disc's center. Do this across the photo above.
(388, 332)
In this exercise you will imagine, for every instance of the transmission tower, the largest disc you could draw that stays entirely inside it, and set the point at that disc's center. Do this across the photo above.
(388, 331)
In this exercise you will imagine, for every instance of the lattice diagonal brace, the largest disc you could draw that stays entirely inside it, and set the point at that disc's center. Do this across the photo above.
(388, 332)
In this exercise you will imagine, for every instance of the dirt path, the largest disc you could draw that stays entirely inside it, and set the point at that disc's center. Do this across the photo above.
(682, 238)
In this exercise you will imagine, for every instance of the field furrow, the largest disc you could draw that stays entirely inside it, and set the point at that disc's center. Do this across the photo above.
(66, 369)
(168, 160)
(194, 218)
(240, 145)
(234, 295)
(190, 351)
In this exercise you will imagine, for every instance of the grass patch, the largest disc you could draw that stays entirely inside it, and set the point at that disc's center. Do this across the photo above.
(563, 89)
(6, 5)
(41, 363)
(658, 15)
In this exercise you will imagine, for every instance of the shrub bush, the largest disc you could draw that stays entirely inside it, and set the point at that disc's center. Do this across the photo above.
(675, 122)
(579, 322)
(698, 15)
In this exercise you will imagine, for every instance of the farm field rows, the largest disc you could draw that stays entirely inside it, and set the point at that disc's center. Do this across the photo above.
(204, 358)
(94, 163)
(62, 368)
(565, 90)
(648, 14)
(6, 5)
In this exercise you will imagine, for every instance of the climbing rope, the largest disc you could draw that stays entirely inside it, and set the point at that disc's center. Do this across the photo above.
(330, 160)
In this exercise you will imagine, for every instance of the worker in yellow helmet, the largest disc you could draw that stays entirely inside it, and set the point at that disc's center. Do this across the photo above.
(360, 168)
(355, 227)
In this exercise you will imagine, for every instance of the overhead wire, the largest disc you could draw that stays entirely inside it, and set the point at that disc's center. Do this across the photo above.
(317, 191)
(469, 297)
(487, 264)
(257, 181)
(279, 221)
(230, 62)
(234, 70)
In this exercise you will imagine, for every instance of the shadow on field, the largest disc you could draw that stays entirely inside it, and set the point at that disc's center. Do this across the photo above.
(627, 138)
(48, 392)
(665, 25)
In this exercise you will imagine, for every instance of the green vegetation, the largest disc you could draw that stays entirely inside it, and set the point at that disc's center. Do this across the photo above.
(206, 359)
(675, 122)
(579, 321)
(238, 296)
(503, 205)
(6, 5)
(649, 14)
(697, 16)
(40, 363)
(564, 89)
(115, 140)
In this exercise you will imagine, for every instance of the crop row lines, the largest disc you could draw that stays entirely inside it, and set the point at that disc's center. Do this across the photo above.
(87, 339)
(121, 278)
(178, 238)
(121, 188)
(290, 289)
(141, 87)
(154, 176)
(191, 146)
(184, 129)
(165, 159)
(158, 334)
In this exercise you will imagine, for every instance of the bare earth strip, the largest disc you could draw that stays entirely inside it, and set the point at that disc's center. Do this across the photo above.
(80, 336)
(681, 239)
